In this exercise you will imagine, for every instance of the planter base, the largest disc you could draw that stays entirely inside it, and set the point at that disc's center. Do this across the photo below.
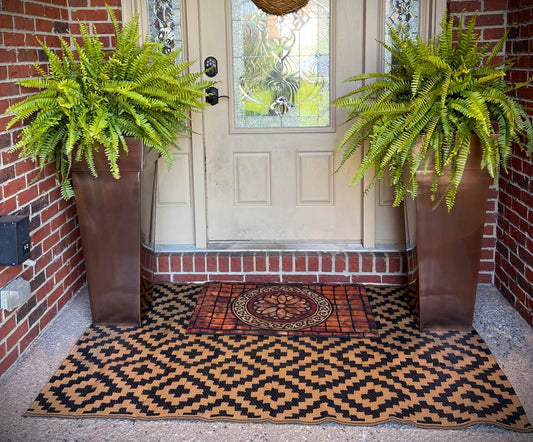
(446, 250)
(110, 224)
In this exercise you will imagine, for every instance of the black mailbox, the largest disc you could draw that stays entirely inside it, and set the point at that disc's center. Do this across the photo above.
(15, 241)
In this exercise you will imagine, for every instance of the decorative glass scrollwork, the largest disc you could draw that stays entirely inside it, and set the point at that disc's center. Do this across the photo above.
(280, 106)
(401, 14)
(281, 66)
(165, 23)
(404, 13)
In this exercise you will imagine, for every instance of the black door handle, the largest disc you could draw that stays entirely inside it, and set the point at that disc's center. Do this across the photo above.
(212, 95)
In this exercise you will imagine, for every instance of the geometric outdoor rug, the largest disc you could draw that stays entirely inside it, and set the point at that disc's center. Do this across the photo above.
(283, 309)
(158, 371)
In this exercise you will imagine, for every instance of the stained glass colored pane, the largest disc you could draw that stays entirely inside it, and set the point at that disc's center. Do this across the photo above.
(401, 14)
(165, 23)
(281, 66)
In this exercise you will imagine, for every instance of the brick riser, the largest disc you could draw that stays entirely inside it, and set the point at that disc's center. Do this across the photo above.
(389, 268)
(364, 267)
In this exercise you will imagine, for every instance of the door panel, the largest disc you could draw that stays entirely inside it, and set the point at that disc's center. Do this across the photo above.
(175, 213)
(314, 178)
(252, 178)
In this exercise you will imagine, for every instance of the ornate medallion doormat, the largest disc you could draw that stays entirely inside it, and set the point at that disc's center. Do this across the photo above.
(159, 371)
(282, 309)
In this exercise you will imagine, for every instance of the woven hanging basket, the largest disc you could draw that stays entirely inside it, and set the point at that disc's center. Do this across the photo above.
(280, 7)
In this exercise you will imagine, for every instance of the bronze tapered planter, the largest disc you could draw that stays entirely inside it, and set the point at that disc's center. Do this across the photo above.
(445, 247)
(110, 223)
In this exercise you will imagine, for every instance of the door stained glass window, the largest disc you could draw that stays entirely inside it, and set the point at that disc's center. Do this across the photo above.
(165, 23)
(281, 66)
(401, 14)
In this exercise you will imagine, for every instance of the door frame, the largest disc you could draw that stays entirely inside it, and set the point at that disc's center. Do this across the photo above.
(431, 12)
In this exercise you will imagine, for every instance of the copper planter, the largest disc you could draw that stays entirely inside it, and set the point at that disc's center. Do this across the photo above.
(445, 247)
(109, 214)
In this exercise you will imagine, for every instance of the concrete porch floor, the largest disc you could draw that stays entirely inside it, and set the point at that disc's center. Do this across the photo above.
(508, 336)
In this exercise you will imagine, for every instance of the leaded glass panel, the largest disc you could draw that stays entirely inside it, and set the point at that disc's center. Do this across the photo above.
(281, 66)
(401, 14)
(165, 23)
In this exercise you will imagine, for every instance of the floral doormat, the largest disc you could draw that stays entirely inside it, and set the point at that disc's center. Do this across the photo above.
(283, 309)
(158, 371)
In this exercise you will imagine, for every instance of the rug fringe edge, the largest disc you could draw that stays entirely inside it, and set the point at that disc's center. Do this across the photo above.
(284, 421)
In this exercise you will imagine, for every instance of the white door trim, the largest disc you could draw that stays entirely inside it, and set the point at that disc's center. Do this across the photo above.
(192, 23)
(431, 12)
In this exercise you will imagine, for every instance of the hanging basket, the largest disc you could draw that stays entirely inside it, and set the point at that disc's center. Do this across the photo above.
(280, 7)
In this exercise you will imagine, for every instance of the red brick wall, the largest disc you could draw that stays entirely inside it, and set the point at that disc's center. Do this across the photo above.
(491, 22)
(514, 252)
(59, 271)
(513, 259)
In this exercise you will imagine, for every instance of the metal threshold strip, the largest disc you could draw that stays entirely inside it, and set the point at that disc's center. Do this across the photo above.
(272, 246)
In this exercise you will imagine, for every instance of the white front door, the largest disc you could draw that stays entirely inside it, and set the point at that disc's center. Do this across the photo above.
(260, 165)
(269, 147)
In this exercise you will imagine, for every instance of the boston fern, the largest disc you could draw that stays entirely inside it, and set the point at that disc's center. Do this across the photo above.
(92, 98)
(445, 90)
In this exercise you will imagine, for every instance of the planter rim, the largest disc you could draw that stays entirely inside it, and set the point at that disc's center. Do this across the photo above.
(127, 162)
(473, 161)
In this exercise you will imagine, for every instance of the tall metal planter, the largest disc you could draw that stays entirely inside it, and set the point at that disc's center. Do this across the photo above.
(444, 248)
(109, 213)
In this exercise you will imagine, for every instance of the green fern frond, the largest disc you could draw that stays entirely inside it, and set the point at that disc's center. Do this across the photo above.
(444, 90)
(446, 39)
(92, 98)
(36, 83)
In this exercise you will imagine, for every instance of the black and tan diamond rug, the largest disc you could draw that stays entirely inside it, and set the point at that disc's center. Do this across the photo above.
(283, 309)
(158, 371)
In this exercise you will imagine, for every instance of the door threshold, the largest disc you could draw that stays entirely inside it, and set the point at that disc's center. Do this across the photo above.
(269, 246)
